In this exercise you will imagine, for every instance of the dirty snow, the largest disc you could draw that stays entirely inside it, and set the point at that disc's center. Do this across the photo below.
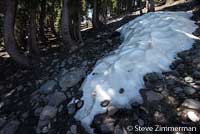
(150, 44)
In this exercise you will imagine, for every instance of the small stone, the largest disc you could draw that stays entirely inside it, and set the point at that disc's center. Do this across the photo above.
(38, 111)
(25, 115)
(71, 108)
(160, 117)
(45, 129)
(79, 104)
(42, 124)
(153, 96)
(180, 67)
(193, 116)
(56, 98)
(188, 79)
(10, 127)
(189, 90)
(170, 83)
(191, 103)
(19, 88)
(73, 129)
(196, 74)
(69, 94)
(144, 109)
(48, 87)
(60, 108)
(48, 112)
(71, 78)
(98, 36)
(159, 89)
(105, 103)
(109, 41)
(141, 122)
(2, 122)
(1, 104)
(178, 89)
(152, 77)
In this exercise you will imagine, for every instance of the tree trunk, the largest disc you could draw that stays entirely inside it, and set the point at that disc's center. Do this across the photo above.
(150, 6)
(65, 30)
(9, 37)
(52, 19)
(95, 16)
(41, 20)
(34, 50)
(75, 20)
(140, 4)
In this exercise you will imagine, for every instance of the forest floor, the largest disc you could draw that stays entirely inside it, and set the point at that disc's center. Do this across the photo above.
(35, 101)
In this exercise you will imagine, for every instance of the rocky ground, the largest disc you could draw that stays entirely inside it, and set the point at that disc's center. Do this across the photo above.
(36, 101)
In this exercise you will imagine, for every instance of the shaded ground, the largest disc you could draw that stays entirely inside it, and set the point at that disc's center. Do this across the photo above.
(21, 104)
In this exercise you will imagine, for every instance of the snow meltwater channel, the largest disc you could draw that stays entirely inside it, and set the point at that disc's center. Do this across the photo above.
(150, 44)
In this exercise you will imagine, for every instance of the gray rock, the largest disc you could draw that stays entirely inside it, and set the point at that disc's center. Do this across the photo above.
(191, 103)
(60, 108)
(180, 67)
(10, 127)
(71, 108)
(48, 112)
(2, 122)
(153, 96)
(48, 87)
(42, 124)
(189, 90)
(45, 129)
(178, 89)
(170, 83)
(152, 77)
(38, 111)
(160, 117)
(73, 129)
(1, 104)
(196, 60)
(56, 98)
(25, 115)
(19, 88)
(71, 78)
(196, 74)
(79, 104)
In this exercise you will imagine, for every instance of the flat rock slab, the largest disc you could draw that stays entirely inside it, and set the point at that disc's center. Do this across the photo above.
(56, 98)
(71, 78)
(48, 87)
(48, 112)
(191, 103)
(153, 96)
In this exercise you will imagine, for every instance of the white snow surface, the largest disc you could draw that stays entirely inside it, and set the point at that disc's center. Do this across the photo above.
(150, 44)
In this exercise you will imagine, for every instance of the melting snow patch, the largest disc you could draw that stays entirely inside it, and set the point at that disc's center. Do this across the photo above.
(150, 44)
